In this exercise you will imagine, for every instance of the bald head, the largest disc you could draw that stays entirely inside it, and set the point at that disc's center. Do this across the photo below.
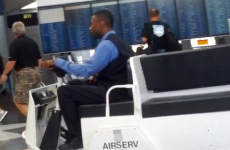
(153, 13)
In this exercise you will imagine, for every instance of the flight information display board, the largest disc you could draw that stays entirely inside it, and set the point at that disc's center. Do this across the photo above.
(167, 10)
(218, 13)
(53, 30)
(1, 6)
(192, 19)
(113, 8)
(54, 37)
(133, 17)
(78, 22)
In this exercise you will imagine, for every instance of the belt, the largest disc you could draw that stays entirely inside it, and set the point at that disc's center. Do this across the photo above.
(26, 68)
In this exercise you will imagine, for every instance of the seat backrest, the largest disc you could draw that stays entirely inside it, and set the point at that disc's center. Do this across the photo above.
(165, 75)
(138, 78)
(130, 78)
(187, 69)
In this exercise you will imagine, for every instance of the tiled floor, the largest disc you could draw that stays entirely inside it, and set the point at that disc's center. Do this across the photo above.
(14, 123)
(11, 137)
(12, 126)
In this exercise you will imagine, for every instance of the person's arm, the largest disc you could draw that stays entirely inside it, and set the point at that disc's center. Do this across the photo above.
(144, 40)
(9, 66)
(39, 63)
(105, 53)
(39, 57)
(144, 34)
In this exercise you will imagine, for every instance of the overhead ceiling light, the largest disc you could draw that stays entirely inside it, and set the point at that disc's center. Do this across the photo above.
(31, 6)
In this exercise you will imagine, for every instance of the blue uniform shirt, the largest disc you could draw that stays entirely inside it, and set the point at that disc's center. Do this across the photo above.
(105, 53)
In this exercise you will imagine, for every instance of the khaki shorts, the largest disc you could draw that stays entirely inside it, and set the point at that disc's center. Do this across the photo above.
(27, 79)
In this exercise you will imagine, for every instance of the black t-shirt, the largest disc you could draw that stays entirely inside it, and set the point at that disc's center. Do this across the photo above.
(155, 32)
(25, 52)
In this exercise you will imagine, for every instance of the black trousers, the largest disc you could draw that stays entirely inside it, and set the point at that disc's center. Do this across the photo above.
(76, 93)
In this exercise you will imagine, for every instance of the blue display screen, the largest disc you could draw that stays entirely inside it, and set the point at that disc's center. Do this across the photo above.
(78, 20)
(133, 17)
(54, 37)
(218, 13)
(168, 15)
(192, 19)
(1, 7)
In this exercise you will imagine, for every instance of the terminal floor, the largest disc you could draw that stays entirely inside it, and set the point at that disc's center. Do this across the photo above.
(12, 126)
(14, 123)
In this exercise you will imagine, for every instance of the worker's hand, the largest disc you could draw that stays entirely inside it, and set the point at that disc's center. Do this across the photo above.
(48, 64)
(3, 78)
(93, 80)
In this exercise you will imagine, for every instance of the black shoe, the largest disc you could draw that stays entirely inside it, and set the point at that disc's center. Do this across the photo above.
(76, 143)
(66, 135)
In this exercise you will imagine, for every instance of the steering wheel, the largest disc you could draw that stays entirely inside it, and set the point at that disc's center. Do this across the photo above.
(59, 72)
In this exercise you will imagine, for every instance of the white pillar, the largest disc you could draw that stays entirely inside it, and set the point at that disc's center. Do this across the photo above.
(3, 37)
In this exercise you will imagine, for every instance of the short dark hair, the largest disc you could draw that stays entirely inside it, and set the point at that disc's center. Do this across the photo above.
(106, 16)
(154, 12)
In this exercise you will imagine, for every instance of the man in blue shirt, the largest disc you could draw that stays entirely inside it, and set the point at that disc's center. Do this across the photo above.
(105, 53)
(109, 63)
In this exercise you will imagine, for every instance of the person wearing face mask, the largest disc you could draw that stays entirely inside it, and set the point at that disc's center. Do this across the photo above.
(109, 62)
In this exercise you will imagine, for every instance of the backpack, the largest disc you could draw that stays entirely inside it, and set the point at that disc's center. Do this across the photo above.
(172, 43)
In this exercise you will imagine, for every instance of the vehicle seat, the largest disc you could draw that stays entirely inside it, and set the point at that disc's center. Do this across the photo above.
(186, 82)
(116, 109)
